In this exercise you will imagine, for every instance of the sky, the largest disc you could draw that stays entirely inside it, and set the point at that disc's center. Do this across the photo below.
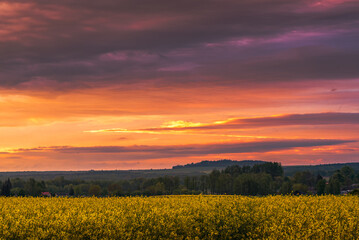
(131, 84)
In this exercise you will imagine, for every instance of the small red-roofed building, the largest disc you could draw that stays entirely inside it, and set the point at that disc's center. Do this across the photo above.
(45, 194)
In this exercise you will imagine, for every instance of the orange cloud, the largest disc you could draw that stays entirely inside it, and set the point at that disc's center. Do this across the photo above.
(140, 156)
(248, 123)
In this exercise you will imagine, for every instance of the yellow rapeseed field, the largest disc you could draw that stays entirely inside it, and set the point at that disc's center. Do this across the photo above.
(181, 217)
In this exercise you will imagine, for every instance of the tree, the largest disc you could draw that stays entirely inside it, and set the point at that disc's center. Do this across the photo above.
(286, 188)
(6, 188)
(319, 177)
(300, 188)
(71, 191)
(333, 187)
(272, 168)
(94, 190)
(304, 177)
(234, 170)
(188, 182)
(204, 183)
(114, 188)
(348, 174)
(34, 188)
(213, 181)
(225, 183)
(252, 184)
(320, 186)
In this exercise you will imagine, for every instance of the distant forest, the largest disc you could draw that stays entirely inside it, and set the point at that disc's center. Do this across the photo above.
(256, 180)
(220, 163)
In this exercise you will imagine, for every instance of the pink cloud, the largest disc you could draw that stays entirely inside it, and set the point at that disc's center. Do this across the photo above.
(136, 56)
(179, 67)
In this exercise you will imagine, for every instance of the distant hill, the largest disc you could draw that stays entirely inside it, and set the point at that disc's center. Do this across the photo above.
(220, 164)
(193, 169)
(323, 169)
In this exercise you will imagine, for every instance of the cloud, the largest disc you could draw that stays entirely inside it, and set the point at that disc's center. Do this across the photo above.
(119, 41)
(153, 152)
(292, 65)
(331, 118)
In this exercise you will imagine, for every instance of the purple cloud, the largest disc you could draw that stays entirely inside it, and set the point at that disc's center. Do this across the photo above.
(152, 152)
(119, 41)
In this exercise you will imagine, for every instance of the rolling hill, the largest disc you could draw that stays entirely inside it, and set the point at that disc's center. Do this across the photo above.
(193, 169)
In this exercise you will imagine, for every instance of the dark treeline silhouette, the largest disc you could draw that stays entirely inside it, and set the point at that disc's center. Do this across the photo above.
(6, 188)
(220, 163)
(260, 179)
(257, 180)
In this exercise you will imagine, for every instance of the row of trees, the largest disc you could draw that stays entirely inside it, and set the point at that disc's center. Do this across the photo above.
(257, 180)
(344, 179)
(262, 179)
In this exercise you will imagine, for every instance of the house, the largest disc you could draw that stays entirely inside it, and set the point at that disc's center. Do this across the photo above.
(45, 194)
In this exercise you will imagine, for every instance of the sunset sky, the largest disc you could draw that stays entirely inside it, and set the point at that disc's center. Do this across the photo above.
(130, 84)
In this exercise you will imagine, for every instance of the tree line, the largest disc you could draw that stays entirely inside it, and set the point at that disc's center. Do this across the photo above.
(258, 180)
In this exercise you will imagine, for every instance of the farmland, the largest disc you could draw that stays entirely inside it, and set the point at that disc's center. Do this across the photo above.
(181, 217)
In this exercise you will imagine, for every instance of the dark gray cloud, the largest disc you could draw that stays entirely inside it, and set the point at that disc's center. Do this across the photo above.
(303, 63)
(148, 152)
(67, 40)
